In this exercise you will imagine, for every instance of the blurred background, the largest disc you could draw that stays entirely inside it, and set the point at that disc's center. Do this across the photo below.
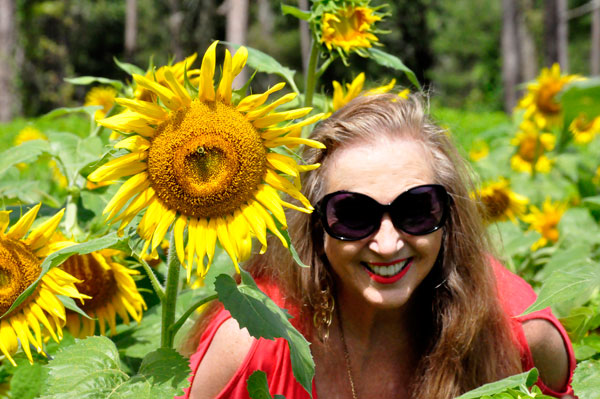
(473, 55)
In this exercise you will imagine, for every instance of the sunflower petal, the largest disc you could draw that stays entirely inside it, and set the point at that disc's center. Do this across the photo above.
(258, 225)
(259, 113)
(165, 94)
(40, 235)
(132, 187)
(282, 163)
(207, 73)
(201, 229)
(19, 327)
(134, 144)
(22, 226)
(178, 89)
(178, 229)
(191, 245)
(224, 90)
(282, 184)
(129, 122)
(277, 117)
(4, 220)
(269, 198)
(292, 141)
(225, 239)
(264, 215)
(272, 133)
(145, 108)
(168, 215)
(126, 165)
(256, 100)
(239, 60)
(211, 241)
(8, 341)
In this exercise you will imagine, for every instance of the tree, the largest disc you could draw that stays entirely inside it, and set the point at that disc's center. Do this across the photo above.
(595, 51)
(237, 29)
(130, 29)
(9, 99)
(556, 33)
(510, 54)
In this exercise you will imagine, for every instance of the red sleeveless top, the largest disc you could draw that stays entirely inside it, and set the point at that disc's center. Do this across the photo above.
(273, 356)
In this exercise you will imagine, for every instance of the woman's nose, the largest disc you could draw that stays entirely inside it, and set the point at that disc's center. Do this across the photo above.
(387, 241)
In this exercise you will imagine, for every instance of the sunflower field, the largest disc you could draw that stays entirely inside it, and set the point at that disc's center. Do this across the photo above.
(123, 217)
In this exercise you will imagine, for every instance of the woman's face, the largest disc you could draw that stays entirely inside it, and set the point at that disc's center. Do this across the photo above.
(381, 169)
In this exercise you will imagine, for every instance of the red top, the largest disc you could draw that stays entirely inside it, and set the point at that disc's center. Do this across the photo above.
(273, 356)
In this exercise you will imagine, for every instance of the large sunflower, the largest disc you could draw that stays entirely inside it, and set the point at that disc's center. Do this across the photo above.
(540, 103)
(198, 160)
(20, 260)
(354, 89)
(532, 147)
(350, 27)
(500, 202)
(545, 221)
(111, 288)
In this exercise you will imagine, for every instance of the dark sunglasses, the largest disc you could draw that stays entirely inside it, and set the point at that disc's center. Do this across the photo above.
(353, 216)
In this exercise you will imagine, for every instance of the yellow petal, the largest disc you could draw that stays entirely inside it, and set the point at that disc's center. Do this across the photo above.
(274, 132)
(224, 90)
(191, 245)
(258, 225)
(40, 235)
(168, 215)
(291, 141)
(226, 242)
(277, 117)
(239, 60)
(4, 220)
(150, 220)
(126, 165)
(34, 324)
(259, 113)
(211, 241)
(207, 73)
(169, 99)
(39, 314)
(282, 163)
(178, 89)
(8, 341)
(178, 235)
(129, 122)
(143, 200)
(22, 226)
(19, 327)
(269, 198)
(253, 101)
(264, 215)
(134, 144)
(145, 108)
(282, 184)
(201, 229)
(132, 187)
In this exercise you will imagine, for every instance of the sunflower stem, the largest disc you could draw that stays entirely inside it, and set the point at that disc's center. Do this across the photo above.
(160, 292)
(179, 323)
(171, 291)
(324, 66)
(311, 75)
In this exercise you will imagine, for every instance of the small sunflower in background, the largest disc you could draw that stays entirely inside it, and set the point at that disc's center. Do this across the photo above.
(199, 161)
(112, 290)
(540, 102)
(545, 221)
(103, 96)
(42, 313)
(349, 26)
(583, 129)
(342, 97)
(479, 150)
(500, 202)
(532, 147)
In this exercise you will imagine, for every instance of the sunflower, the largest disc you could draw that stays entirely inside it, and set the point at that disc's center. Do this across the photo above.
(540, 103)
(20, 260)
(355, 88)
(479, 150)
(179, 70)
(350, 28)
(500, 202)
(111, 287)
(198, 160)
(545, 221)
(531, 148)
(583, 129)
(29, 133)
(103, 96)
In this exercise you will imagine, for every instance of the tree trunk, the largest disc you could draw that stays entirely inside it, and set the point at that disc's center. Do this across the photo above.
(304, 37)
(556, 32)
(130, 29)
(510, 54)
(595, 51)
(236, 30)
(174, 22)
(9, 97)
(527, 50)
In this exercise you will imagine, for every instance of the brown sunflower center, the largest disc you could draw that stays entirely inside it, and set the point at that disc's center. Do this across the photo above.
(545, 98)
(98, 282)
(530, 149)
(206, 160)
(19, 268)
(496, 204)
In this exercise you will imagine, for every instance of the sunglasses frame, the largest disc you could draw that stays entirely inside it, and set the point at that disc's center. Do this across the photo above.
(321, 206)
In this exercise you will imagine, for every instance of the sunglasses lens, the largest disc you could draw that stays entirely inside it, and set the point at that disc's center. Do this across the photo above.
(350, 216)
(420, 210)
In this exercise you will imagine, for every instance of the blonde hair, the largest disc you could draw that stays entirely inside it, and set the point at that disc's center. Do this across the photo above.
(469, 341)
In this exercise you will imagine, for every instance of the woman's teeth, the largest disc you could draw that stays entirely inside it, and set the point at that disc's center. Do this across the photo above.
(389, 270)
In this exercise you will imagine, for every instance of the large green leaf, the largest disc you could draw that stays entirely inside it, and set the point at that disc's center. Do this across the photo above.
(74, 152)
(60, 256)
(91, 369)
(58, 112)
(265, 63)
(528, 379)
(258, 387)
(295, 11)
(86, 80)
(567, 285)
(254, 310)
(586, 379)
(20, 383)
(581, 97)
(391, 61)
(26, 152)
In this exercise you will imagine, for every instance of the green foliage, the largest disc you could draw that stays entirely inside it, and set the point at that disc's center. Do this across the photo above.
(585, 379)
(514, 387)
(99, 373)
(258, 388)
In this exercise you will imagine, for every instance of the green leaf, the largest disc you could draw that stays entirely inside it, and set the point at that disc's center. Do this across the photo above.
(91, 369)
(592, 202)
(565, 259)
(267, 64)
(74, 152)
(586, 379)
(21, 382)
(528, 378)
(291, 248)
(129, 68)
(580, 97)
(566, 285)
(60, 256)
(391, 61)
(70, 304)
(26, 152)
(55, 113)
(254, 310)
(258, 387)
(86, 80)
(295, 11)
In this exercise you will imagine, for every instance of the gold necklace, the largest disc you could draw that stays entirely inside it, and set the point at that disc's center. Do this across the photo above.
(346, 354)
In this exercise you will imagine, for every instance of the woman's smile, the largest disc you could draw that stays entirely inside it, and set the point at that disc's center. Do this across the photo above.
(387, 272)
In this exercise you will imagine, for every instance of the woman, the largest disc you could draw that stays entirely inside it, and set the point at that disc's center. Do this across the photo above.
(401, 300)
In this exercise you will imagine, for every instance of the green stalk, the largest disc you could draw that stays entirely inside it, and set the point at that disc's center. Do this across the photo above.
(311, 78)
(171, 291)
(160, 292)
(175, 327)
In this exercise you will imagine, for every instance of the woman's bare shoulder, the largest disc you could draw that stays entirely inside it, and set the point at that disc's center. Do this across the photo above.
(225, 355)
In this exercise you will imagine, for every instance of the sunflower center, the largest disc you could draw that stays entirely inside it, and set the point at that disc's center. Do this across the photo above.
(98, 282)
(545, 98)
(496, 204)
(206, 160)
(19, 268)
(530, 149)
